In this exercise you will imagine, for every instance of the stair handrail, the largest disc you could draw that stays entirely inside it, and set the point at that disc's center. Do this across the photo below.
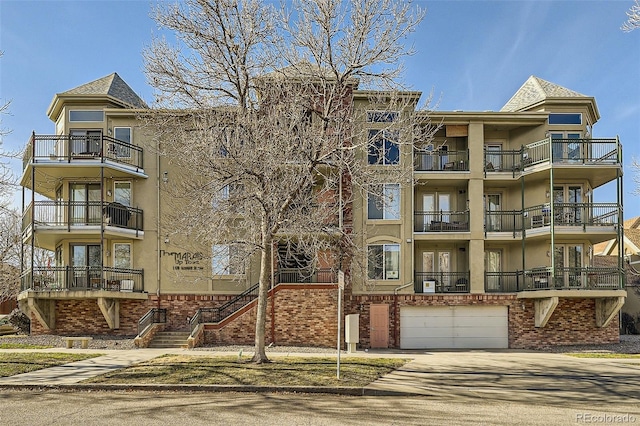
(217, 314)
(153, 316)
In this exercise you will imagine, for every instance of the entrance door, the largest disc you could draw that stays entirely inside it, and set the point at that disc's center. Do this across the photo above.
(379, 326)
(568, 204)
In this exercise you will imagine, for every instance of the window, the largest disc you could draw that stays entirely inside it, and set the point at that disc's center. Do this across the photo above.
(382, 116)
(565, 118)
(122, 255)
(384, 202)
(383, 147)
(122, 193)
(227, 259)
(121, 147)
(383, 262)
(84, 115)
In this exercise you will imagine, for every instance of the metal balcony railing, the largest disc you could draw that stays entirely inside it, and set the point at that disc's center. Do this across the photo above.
(441, 282)
(564, 214)
(302, 275)
(441, 221)
(66, 214)
(447, 161)
(542, 278)
(87, 278)
(560, 151)
(68, 148)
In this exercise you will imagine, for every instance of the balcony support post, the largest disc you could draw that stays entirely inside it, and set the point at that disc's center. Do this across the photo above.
(607, 309)
(544, 309)
(110, 309)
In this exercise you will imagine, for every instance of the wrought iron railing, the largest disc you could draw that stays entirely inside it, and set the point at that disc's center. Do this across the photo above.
(215, 315)
(503, 282)
(564, 214)
(77, 213)
(71, 148)
(441, 221)
(441, 282)
(302, 275)
(543, 278)
(153, 316)
(567, 151)
(447, 161)
(86, 278)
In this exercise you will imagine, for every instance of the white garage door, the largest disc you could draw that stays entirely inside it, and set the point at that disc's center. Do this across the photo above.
(449, 327)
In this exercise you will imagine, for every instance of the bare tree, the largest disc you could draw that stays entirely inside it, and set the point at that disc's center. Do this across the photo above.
(633, 18)
(9, 253)
(266, 141)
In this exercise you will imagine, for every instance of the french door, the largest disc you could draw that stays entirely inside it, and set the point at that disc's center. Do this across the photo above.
(85, 203)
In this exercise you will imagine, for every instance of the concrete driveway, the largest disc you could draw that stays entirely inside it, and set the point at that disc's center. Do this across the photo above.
(545, 378)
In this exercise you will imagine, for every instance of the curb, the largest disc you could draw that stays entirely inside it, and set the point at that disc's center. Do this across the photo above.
(347, 391)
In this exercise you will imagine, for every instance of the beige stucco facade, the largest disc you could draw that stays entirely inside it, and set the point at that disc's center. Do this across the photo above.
(496, 203)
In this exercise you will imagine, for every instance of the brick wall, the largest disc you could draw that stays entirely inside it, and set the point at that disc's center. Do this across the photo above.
(83, 317)
(573, 321)
(304, 315)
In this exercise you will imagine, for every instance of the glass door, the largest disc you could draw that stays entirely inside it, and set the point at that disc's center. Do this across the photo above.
(493, 268)
(568, 262)
(493, 159)
(85, 203)
(86, 261)
(85, 142)
(493, 220)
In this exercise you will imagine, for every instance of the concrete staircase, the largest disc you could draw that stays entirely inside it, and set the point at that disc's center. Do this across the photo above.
(170, 339)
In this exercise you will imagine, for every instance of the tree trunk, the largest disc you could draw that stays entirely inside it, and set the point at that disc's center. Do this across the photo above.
(263, 293)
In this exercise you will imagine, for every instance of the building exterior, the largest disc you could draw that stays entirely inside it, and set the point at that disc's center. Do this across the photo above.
(490, 247)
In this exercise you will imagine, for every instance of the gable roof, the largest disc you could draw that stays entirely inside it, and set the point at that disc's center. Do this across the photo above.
(633, 223)
(536, 90)
(110, 85)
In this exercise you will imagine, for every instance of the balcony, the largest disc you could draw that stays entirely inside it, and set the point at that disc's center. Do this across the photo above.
(441, 221)
(82, 278)
(568, 278)
(67, 215)
(598, 216)
(441, 282)
(303, 276)
(589, 152)
(441, 161)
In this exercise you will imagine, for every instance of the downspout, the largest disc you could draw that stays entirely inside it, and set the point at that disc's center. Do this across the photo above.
(552, 212)
(33, 202)
(524, 232)
(620, 217)
(395, 311)
(273, 303)
(159, 258)
(103, 249)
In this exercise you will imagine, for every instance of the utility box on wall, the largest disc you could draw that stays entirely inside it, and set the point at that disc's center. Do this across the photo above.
(352, 331)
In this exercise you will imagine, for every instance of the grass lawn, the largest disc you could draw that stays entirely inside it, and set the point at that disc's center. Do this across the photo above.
(17, 362)
(229, 370)
(603, 355)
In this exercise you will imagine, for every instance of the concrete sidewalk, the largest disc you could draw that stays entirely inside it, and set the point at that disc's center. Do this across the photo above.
(504, 374)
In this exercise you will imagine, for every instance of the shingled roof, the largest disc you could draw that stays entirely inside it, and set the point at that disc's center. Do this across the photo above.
(111, 85)
(535, 90)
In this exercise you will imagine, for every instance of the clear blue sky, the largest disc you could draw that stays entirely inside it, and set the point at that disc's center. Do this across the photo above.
(474, 55)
